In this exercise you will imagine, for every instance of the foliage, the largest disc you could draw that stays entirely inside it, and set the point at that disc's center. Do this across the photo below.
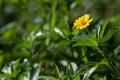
(38, 40)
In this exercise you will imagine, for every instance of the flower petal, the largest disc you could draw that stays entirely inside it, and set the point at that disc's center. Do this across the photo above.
(87, 17)
(90, 20)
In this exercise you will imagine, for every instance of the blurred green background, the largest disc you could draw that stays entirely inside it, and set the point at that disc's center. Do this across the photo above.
(39, 30)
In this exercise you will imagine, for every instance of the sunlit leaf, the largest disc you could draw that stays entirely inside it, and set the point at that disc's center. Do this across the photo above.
(110, 33)
(53, 13)
(85, 40)
(89, 72)
(71, 69)
(77, 78)
(36, 73)
(57, 71)
(102, 28)
(117, 50)
(84, 67)
(47, 78)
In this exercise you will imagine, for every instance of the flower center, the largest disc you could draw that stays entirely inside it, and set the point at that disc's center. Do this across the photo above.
(83, 22)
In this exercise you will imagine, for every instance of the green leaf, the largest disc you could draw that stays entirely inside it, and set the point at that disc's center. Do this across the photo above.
(64, 42)
(8, 27)
(116, 20)
(57, 30)
(22, 76)
(85, 40)
(58, 72)
(110, 33)
(15, 68)
(102, 28)
(6, 75)
(66, 32)
(75, 31)
(83, 54)
(117, 50)
(53, 14)
(76, 78)
(84, 67)
(71, 69)
(35, 73)
(47, 78)
(89, 72)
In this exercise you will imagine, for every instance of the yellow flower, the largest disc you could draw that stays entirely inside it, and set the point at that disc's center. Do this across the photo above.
(83, 21)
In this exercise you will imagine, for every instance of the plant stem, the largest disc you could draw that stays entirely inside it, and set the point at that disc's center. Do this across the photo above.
(87, 31)
(116, 73)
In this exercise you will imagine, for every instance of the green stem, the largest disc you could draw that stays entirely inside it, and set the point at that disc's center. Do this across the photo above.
(116, 73)
(87, 31)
